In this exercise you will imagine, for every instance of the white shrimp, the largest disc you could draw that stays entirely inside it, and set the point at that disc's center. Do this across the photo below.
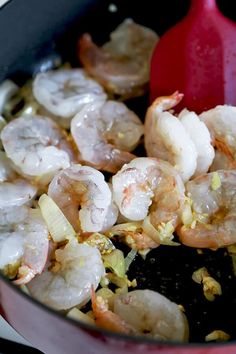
(24, 244)
(213, 202)
(12, 215)
(37, 147)
(64, 92)
(152, 314)
(6, 169)
(105, 133)
(78, 267)
(149, 183)
(201, 138)
(143, 312)
(221, 122)
(84, 197)
(166, 138)
(16, 194)
(121, 65)
(14, 191)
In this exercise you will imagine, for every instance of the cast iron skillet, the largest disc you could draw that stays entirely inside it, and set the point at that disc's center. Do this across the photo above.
(36, 34)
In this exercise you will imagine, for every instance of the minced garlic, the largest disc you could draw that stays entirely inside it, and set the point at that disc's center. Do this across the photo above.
(217, 335)
(211, 287)
(215, 182)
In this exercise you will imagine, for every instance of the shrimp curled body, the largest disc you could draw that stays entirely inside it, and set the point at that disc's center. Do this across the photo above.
(64, 92)
(37, 146)
(143, 312)
(166, 138)
(24, 245)
(84, 188)
(16, 193)
(105, 134)
(149, 183)
(121, 65)
(217, 204)
(201, 138)
(79, 267)
(221, 122)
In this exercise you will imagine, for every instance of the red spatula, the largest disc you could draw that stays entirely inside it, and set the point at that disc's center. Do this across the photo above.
(198, 58)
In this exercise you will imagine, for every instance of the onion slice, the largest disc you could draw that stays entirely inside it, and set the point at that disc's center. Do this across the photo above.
(58, 225)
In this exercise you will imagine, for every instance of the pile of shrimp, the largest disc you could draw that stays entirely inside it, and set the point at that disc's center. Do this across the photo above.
(54, 153)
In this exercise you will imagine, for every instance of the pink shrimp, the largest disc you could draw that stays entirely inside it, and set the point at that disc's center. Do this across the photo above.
(213, 199)
(121, 65)
(107, 319)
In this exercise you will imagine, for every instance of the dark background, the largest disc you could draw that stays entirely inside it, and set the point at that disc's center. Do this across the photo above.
(31, 29)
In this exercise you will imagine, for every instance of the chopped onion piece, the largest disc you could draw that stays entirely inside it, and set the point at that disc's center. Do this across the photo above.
(118, 281)
(187, 215)
(100, 241)
(129, 258)
(104, 282)
(217, 335)
(211, 287)
(115, 261)
(107, 295)
(59, 227)
(215, 182)
(123, 229)
(162, 235)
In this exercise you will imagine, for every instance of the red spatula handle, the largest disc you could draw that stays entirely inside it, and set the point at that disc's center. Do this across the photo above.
(202, 5)
(198, 58)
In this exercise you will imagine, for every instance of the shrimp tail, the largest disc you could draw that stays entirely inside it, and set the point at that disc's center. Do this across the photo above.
(25, 275)
(93, 58)
(164, 103)
(89, 53)
(107, 319)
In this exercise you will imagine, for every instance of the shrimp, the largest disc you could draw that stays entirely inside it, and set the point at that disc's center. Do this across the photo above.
(143, 312)
(6, 169)
(149, 186)
(121, 65)
(64, 92)
(16, 194)
(107, 319)
(24, 245)
(84, 197)
(37, 147)
(105, 133)
(14, 191)
(201, 138)
(79, 267)
(221, 122)
(213, 198)
(166, 138)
